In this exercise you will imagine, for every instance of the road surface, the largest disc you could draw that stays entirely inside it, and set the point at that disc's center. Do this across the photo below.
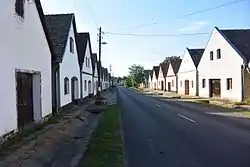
(176, 134)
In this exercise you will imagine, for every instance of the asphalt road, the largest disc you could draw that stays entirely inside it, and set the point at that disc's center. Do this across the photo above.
(176, 134)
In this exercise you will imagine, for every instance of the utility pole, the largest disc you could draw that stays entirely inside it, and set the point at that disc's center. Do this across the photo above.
(100, 70)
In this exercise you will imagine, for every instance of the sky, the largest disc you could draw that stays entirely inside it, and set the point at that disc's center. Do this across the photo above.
(149, 17)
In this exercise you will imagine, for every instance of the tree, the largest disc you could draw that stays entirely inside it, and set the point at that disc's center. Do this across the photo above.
(168, 59)
(136, 72)
(128, 81)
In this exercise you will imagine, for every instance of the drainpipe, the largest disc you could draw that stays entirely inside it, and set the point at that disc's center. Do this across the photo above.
(81, 89)
(197, 83)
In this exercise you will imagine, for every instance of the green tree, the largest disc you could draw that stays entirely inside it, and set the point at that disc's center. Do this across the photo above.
(128, 81)
(136, 72)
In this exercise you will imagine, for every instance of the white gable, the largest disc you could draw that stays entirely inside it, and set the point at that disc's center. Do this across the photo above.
(87, 59)
(170, 71)
(187, 63)
(160, 73)
(96, 72)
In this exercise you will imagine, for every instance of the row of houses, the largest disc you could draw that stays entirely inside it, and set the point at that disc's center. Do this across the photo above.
(45, 64)
(219, 70)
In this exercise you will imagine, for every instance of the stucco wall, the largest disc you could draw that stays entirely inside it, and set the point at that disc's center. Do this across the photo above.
(229, 66)
(69, 68)
(187, 71)
(171, 78)
(23, 46)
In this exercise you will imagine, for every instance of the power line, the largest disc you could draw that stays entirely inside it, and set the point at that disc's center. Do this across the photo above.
(92, 13)
(139, 26)
(156, 35)
(209, 9)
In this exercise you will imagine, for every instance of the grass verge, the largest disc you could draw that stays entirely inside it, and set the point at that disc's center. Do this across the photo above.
(106, 145)
(222, 109)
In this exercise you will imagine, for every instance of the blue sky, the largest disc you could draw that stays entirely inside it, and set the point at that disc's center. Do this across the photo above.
(160, 16)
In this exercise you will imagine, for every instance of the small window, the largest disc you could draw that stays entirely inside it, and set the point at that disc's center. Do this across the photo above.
(218, 54)
(192, 84)
(86, 59)
(71, 45)
(211, 55)
(172, 83)
(229, 83)
(19, 7)
(66, 85)
(203, 83)
(180, 83)
(85, 85)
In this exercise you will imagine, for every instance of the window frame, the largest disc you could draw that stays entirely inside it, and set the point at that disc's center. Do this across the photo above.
(85, 85)
(19, 8)
(203, 83)
(192, 84)
(218, 52)
(229, 83)
(66, 86)
(71, 45)
(211, 55)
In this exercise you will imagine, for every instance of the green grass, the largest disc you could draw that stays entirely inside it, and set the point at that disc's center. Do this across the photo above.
(105, 148)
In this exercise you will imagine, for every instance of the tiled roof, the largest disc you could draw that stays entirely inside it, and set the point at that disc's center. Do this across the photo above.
(240, 39)
(196, 55)
(175, 65)
(58, 27)
(164, 68)
(156, 70)
(82, 40)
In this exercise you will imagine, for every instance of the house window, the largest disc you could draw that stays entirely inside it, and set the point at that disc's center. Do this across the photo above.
(203, 83)
(85, 85)
(71, 45)
(218, 54)
(172, 83)
(229, 83)
(211, 55)
(181, 83)
(66, 85)
(86, 61)
(19, 7)
(192, 84)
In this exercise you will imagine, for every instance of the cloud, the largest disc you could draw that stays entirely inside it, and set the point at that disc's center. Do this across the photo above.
(194, 26)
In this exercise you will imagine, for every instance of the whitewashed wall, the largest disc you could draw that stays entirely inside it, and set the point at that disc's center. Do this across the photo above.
(89, 70)
(23, 46)
(187, 71)
(154, 81)
(171, 77)
(69, 68)
(229, 66)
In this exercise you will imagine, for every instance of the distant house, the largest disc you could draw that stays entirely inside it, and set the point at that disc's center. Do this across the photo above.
(25, 66)
(171, 77)
(150, 83)
(155, 77)
(85, 63)
(223, 69)
(65, 73)
(146, 76)
(162, 76)
(95, 73)
(188, 75)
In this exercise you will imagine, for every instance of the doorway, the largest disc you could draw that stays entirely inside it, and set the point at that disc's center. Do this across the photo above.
(215, 88)
(25, 113)
(186, 87)
(74, 89)
(89, 88)
(162, 85)
(169, 86)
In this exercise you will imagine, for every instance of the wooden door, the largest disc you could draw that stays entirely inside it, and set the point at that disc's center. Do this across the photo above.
(186, 87)
(24, 99)
(162, 85)
(215, 88)
(169, 86)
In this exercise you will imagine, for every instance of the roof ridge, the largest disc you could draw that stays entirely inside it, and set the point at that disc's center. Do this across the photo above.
(59, 14)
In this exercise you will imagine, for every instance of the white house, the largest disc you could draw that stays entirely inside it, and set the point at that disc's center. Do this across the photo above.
(188, 73)
(155, 77)
(66, 73)
(223, 64)
(162, 76)
(95, 73)
(146, 77)
(85, 62)
(150, 83)
(25, 66)
(171, 76)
